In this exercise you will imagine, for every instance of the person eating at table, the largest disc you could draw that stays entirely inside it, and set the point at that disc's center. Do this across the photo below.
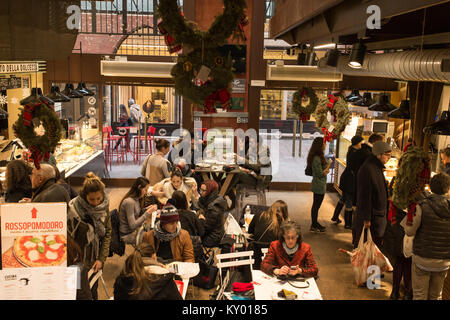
(170, 241)
(289, 255)
(256, 169)
(164, 189)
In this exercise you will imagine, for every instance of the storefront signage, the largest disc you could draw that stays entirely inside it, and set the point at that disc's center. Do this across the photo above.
(258, 83)
(238, 86)
(34, 235)
(10, 83)
(24, 67)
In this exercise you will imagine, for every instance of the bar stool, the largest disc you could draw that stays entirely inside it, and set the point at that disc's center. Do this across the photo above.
(119, 151)
(150, 142)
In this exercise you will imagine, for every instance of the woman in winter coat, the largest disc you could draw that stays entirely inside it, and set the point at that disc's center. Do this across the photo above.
(89, 224)
(136, 282)
(170, 241)
(18, 183)
(211, 213)
(188, 219)
(320, 168)
(347, 184)
(289, 255)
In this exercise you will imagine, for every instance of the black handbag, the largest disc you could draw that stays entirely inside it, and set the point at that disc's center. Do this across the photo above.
(308, 171)
(206, 278)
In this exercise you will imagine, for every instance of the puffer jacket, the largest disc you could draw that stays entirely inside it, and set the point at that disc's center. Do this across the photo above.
(213, 207)
(432, 239)
(50, 191)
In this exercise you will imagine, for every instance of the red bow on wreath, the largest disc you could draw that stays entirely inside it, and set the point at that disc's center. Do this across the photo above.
(221, 95)
(37, 156)
(332, 99)
(28, 113)
(171, 44)
(327, 136)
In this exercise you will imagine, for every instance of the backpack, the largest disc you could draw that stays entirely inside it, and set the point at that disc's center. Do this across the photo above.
(117, 246)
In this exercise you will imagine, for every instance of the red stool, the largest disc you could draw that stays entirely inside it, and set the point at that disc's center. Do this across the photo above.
(150, 142)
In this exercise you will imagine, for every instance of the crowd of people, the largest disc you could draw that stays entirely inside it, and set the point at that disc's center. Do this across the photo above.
(166, 215)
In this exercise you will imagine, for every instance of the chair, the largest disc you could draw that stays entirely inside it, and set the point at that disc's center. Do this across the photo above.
(234, 263)
(243, 191)
(150, 142)
(112, 140)
(94, 279)
(264, 252)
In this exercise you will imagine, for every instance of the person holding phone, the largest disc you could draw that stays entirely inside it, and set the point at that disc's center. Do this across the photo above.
(320, 169)
(131, 214)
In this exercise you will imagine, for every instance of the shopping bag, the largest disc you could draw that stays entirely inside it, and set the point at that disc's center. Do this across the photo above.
(232, 226)
(365, 255)
(408, 246)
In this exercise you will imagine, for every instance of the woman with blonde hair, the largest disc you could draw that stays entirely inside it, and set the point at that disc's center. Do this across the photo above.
(136, 282)
(265, 227)
(89, 224)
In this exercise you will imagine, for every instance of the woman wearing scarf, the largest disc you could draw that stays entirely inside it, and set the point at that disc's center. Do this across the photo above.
(289, 255)
(211, 213)
(170, 241)
(89, 224)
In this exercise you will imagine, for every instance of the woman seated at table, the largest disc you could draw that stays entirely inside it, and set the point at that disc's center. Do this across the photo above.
(265, 227)
(170, 241)
(136, 282)
(256, 169)
(289, 255)
(130, 210)
(155, 166)
(188, 219)
(211, 213)
(164, 189)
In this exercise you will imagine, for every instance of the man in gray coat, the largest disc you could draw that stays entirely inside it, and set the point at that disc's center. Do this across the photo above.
(431, 246)
(45, 188)
(372, 204)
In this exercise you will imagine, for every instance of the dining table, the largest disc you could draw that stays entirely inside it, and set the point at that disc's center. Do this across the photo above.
(216, 172)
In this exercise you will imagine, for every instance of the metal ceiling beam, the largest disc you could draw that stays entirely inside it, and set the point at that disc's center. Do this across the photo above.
(438, 38)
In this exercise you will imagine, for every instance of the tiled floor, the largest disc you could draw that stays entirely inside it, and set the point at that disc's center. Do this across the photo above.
(336, 279)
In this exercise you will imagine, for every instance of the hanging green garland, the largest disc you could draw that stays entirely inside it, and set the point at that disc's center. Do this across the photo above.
(201, 75)
(339, 109)
(304, 112)
(39, 128)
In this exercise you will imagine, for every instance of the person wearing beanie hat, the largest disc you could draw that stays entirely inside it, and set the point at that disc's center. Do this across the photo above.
(347, 184)
(170, 241)
(372, 205)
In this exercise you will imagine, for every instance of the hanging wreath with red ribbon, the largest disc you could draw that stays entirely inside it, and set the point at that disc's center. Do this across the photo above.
(201, 74)
(338, 108)
(39, 129)
(304, 113)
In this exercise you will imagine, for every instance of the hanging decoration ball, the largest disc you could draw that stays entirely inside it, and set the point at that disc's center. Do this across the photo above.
(187, 66)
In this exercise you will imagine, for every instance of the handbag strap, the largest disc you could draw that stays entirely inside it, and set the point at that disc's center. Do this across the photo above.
(265, 231)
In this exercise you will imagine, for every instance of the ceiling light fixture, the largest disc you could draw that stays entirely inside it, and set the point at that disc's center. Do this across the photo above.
(357, 55)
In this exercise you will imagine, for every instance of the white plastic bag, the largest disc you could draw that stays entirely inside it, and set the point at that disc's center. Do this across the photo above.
(231, 226)
(365, 255)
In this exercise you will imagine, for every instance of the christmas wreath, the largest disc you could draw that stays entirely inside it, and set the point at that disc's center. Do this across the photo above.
(339, 110)
(411, 178)
(304, 112)
(39, 128)
(201, 74)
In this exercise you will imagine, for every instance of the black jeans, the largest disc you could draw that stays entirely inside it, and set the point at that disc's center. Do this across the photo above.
(317, 202)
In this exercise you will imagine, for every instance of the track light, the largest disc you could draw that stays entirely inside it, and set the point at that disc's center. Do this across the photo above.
(332, 57)
(357, 56)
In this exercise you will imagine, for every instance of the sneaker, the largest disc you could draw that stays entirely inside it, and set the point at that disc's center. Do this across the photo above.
(314, 229)
(320, 227)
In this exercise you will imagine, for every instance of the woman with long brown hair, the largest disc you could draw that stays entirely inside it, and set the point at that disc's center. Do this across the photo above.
(265, 227)
(320, 168)
(18, 183)
(135, 282)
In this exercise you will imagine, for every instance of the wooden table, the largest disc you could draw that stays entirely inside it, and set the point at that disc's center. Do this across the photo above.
(206, 172)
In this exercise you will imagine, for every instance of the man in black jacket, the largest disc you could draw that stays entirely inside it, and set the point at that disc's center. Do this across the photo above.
(45, 188)
(366, 150)
(372, 204)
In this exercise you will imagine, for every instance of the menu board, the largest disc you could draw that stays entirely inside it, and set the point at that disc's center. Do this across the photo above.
(10, 83)
(34, 235)
(50, 283)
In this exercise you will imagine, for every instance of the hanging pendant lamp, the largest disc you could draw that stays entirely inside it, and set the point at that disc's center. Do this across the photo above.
(401, 112)
(383, 105)
(71, 92)
(56, 95)
(353, 96)
(84, 90)
(35, 97)
(366, 100)
(440, 127)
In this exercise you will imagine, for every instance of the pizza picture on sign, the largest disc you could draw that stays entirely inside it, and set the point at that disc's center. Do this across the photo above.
(40, 251)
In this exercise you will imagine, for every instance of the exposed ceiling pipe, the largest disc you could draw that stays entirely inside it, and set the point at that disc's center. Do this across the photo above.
(404, 65)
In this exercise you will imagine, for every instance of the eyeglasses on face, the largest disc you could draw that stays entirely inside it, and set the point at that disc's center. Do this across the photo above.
(290, 238)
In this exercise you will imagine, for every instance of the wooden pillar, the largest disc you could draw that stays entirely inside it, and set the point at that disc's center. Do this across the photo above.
(188, 119)
(257, 67)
